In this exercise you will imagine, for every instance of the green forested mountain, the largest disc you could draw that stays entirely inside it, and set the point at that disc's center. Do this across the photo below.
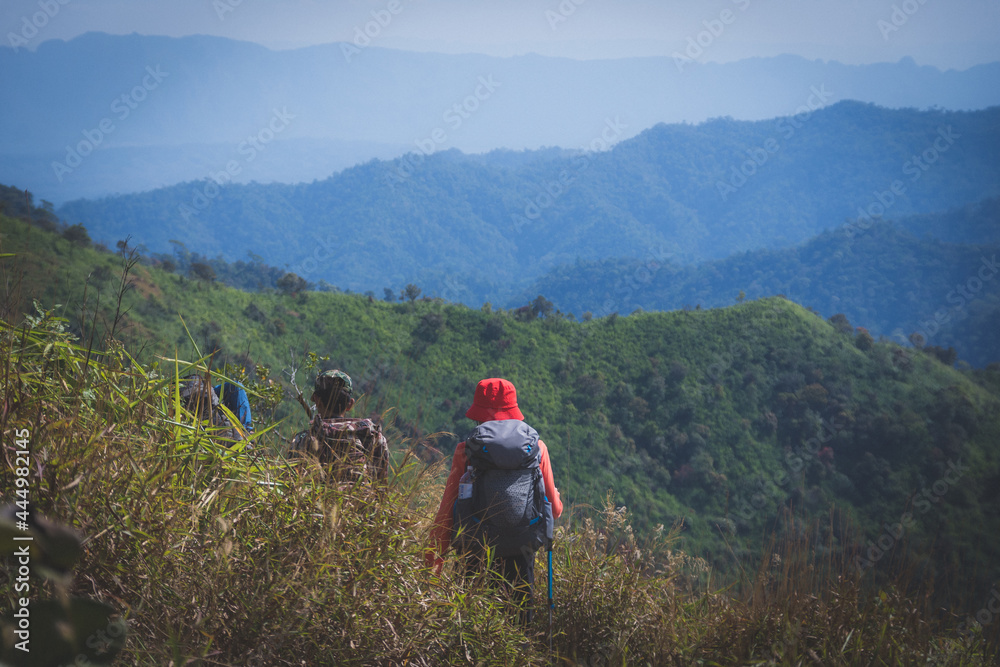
(933, 275)
(475, 228)
(719, 420)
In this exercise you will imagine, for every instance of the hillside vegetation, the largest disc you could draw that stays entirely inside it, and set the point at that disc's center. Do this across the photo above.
(163, 546)
(931, 275)
(475, 228)
(195, 551)
(716, 421)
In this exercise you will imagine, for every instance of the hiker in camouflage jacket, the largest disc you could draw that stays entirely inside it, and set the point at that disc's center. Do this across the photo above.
(349, 448)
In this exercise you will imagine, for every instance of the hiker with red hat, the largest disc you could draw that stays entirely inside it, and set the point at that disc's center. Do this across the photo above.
(500, 493)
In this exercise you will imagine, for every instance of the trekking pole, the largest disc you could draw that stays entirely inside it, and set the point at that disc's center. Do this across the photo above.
(551, 604)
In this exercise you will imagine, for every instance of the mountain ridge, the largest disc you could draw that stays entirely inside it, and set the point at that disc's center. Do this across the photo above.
(449, 212)
(901, 277)
(220, 91)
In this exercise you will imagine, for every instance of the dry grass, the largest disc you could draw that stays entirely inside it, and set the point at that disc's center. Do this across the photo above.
(230, 556)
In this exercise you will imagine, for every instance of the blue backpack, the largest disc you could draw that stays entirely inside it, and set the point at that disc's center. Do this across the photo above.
(507, 508)
(234, 397)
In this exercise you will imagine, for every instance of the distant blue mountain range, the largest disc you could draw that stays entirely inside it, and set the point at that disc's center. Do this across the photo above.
(137, 112)
(473, 228)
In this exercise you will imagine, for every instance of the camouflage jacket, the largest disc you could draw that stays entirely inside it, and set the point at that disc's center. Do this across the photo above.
(220, 428)
(350, 447)
(221, 421)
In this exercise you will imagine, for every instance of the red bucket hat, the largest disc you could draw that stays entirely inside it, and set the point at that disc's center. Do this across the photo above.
(495, 399)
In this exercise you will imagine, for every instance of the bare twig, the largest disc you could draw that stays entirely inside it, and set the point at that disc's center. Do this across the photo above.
(129, 259)
(298, 392)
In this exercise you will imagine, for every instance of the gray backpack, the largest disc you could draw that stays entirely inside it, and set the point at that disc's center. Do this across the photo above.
(507, 509)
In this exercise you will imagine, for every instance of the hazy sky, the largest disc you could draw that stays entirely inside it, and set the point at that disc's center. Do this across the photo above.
(944, 33)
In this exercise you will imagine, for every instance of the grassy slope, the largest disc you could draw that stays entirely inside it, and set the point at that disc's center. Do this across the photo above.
(206, 555)
(670, 410)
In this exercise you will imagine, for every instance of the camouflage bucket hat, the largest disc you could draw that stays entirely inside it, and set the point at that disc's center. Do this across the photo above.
(328, 380)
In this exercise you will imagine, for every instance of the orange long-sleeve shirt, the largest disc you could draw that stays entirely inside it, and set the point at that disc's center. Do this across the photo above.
(445, 520)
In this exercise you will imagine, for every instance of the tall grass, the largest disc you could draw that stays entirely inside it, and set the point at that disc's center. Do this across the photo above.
(231, 555)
